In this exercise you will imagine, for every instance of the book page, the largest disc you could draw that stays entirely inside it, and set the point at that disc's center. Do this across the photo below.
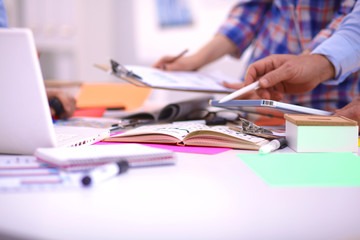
(174, 132)
(217, 134)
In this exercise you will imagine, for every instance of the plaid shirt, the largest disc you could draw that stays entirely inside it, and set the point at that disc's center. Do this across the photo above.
(3, 20)
(290, 27)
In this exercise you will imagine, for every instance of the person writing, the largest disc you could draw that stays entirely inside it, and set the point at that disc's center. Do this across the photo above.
(277, 27)
(62, 105)
(330, 63)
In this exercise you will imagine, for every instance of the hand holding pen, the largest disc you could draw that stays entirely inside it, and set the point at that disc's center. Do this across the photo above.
(174, 63)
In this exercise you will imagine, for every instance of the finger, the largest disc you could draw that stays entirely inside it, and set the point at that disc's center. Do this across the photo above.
(264, 66)
(354, 104)
(349, 113)
(283, 73)
(233, 85)
(257, 70)
(269, 93)
(277, 96)
(263, 93)
(172, 67)
(163, 61)
(248, 95)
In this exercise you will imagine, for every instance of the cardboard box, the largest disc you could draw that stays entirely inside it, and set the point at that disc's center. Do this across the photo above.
(313, 133)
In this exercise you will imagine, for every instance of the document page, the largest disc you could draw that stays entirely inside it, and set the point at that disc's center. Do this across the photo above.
(181, 80)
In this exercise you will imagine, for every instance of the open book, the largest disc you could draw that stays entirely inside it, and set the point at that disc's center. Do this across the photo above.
(171, 80)
(190, 134)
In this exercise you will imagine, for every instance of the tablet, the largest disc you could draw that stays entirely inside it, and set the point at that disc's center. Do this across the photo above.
(243, 105)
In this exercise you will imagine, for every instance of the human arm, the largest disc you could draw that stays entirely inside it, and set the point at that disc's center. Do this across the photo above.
(288, 74)
(297, 74)
(67, 101)
(233, 37)
(343, 47)
(217, 47)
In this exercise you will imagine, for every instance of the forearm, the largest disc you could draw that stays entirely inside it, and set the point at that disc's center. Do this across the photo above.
(243, 23)
(216, 48)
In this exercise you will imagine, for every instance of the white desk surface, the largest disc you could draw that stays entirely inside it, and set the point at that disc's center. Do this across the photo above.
(201, 197)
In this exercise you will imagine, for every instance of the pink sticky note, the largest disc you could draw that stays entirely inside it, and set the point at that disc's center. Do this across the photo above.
(175, 148)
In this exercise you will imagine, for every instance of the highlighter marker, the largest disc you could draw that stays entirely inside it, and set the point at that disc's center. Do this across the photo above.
(273, 145)
(104, 172)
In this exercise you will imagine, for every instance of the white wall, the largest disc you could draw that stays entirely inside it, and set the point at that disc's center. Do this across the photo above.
(72, 35)
(152, 41)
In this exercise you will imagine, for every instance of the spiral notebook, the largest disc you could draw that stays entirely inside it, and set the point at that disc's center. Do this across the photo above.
(87, 157)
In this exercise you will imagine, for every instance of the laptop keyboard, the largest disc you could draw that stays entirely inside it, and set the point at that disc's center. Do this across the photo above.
(64, 136)
(68, 136)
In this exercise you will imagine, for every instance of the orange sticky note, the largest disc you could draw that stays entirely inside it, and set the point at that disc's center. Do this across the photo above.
(111, 95)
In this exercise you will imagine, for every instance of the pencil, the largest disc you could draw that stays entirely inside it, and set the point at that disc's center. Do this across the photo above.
(180, 55)
(176, 58)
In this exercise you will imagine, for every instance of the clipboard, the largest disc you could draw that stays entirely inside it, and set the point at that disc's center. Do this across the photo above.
(169, 80)
(245, 105)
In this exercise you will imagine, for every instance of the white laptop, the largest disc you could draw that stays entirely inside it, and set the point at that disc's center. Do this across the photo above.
(25, 120)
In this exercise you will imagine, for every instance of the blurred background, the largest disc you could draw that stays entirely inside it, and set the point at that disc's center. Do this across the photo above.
(73, 35)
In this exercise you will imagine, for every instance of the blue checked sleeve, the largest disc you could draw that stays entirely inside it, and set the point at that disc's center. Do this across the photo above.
(243, 23)
(343, 47)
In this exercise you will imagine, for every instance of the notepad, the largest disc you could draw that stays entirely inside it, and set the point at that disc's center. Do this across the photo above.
(91, 156)
(306, 169)
(149, 77)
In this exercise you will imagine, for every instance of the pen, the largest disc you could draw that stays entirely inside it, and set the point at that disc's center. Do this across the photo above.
(241, 91)
(104, 172)
(176, 58)
(273, 145)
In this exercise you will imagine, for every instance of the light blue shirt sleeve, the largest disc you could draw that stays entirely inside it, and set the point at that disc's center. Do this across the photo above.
(3, 18)
(343, 47)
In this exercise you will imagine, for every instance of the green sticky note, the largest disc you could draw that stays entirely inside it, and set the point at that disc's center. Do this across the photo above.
(306, 169)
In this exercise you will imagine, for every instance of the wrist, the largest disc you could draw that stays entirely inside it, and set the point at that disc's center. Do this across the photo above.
(326, 68)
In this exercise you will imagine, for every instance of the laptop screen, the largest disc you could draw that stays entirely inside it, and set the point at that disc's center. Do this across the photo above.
(25, 121)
